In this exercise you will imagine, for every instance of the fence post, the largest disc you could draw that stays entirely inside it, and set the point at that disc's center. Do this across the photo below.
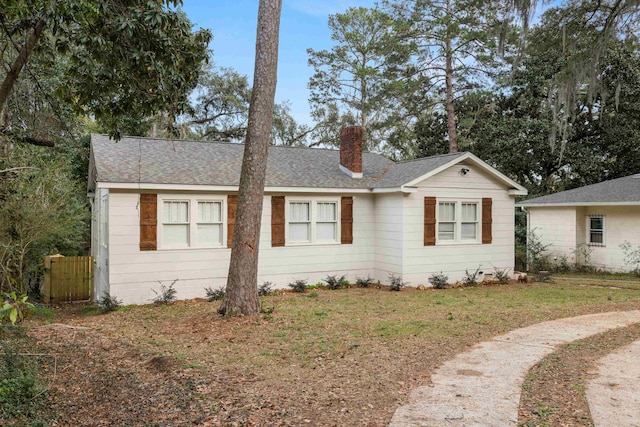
(46, 292)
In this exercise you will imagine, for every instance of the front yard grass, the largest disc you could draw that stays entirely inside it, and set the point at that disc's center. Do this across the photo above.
(345, 357)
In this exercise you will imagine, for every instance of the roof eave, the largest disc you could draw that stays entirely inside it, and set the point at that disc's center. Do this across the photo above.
(402, 189)
(577, 204)
(222, 188)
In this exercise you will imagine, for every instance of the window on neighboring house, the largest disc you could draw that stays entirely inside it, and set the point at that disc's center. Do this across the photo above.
(458, 221)
(312, 221)
(192, 223)
(596, 230)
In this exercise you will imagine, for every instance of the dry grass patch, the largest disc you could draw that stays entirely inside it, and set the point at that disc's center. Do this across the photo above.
(346, 357)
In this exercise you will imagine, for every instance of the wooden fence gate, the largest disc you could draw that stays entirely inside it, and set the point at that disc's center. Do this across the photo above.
(68, 278)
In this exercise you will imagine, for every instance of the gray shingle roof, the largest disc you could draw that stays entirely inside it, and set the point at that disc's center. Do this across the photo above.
(624, 190)
(158, 161)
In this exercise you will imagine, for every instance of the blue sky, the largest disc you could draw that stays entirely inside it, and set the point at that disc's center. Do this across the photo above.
(303, 25)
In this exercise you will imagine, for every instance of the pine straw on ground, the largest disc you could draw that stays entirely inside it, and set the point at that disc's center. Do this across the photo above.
(325, 358)
(553, 393)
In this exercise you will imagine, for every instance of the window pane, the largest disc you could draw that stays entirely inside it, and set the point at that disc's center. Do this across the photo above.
(447, 211)
(326, 231)
(299, 232)
(468, 230)
(209, 234)
(596, 223)
(469, 211)
(596, 237)
(446, 231)
(326, 212)
(299, 212)
(209, 211)
(176, 234)
(176, 212)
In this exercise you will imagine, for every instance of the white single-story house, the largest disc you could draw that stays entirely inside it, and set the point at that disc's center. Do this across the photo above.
(595, 218)
(165, 210)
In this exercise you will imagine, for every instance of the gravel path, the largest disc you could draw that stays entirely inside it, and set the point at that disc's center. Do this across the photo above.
(614, 395)
(481, 387)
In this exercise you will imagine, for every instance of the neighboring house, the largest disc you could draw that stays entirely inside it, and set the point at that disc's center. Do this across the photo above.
(594, 220)
(165, 210)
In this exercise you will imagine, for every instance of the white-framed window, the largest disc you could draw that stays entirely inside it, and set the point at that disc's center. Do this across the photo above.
(595, 230)
(458, 221)
(209, 223)
(300, 221)
(312, 221)
(191, 222)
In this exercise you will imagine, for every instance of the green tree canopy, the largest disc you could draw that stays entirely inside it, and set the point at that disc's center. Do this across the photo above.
(118, 60)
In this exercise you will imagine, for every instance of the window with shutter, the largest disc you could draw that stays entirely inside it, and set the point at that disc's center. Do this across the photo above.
(456, 221)
(319, 221)
(191, 221)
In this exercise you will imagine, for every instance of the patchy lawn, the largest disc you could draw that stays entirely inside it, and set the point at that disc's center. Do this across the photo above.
(344, 357)
(621, 280)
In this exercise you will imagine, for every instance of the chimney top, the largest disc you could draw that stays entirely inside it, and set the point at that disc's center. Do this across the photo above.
(351, 151)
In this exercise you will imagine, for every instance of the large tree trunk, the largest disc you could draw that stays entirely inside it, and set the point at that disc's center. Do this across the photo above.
(21, 60)
(241, 296)
(451, 114)
(11, 78)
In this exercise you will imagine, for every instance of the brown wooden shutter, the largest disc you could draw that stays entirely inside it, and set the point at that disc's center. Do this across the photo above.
(277, 220)
(232, 207)
(148, 222)
(346, 220)
(487, 220)
(429, 221)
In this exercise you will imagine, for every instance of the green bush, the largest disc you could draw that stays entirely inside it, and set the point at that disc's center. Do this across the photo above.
(631, 256)
(215, 294)
(439, 280)
(536, 253)
(334, 282)
(266, 289)
(364, 283)
(14, 307)
(470, 279)
(109, 303)
(396, 283)
(501, 275)
(166, 295)
(299, 285)
(18, 386)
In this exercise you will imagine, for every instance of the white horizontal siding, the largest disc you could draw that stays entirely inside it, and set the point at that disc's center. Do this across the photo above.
(388, 239)
(621, 223)
(388, 236)
(135, 274)
(565, 228)
(556, 228)
(420, 261)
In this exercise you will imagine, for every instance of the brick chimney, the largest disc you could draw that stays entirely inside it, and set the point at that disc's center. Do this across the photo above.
(351, 151)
